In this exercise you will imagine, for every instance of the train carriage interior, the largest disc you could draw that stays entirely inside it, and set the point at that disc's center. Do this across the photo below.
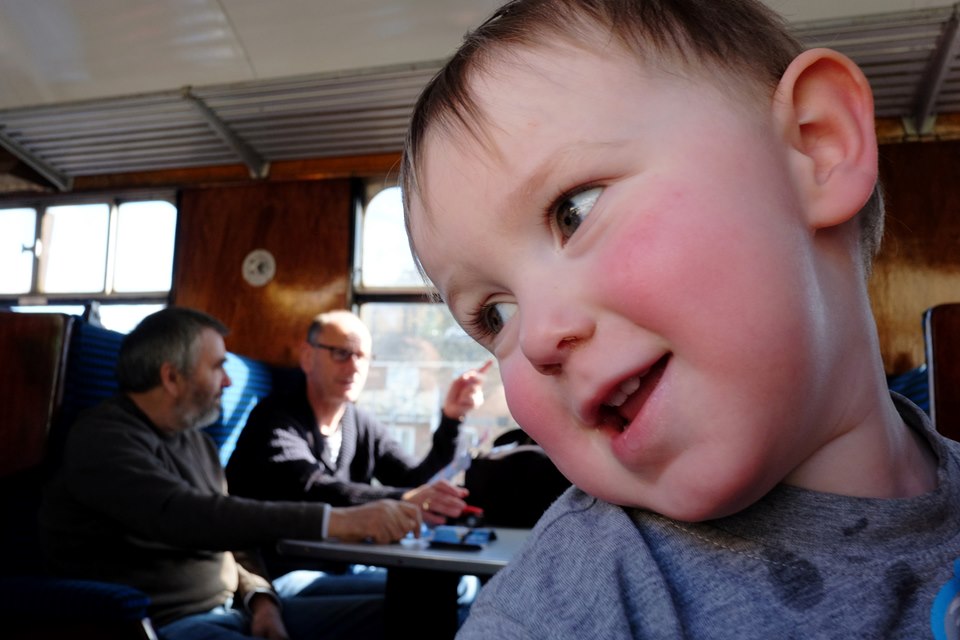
(240, 157)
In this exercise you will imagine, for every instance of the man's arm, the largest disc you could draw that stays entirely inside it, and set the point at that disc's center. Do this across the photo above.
(466, 393)
(159, 488)
(257, 596)
(393, 467)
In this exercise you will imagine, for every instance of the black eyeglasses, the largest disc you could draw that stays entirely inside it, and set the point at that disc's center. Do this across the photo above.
(339, 354)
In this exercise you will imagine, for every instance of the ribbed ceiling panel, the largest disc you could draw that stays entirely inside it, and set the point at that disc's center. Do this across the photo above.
(322, 116)
(895, 51)
(118, 135)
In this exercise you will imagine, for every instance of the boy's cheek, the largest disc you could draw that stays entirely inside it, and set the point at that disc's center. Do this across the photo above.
(528, 400)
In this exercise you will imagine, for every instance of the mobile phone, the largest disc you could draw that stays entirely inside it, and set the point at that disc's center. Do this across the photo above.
(456, 537)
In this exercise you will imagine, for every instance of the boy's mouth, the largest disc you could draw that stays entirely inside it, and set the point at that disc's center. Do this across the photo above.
(625, 402)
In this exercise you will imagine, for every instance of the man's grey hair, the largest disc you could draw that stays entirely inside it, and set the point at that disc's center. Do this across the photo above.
(169, 335)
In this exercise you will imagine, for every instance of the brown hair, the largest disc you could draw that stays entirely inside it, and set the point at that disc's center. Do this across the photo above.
(742, 37)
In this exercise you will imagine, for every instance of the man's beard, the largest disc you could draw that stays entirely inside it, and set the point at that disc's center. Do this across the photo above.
(208, 418)
(200, 414)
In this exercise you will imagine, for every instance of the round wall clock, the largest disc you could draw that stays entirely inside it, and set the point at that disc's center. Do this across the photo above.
(259, 267)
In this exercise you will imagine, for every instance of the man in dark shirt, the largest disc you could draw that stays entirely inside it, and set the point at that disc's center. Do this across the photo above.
(141, 499)
(316, 444)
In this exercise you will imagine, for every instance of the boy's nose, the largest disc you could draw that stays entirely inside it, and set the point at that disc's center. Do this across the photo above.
(547, 339)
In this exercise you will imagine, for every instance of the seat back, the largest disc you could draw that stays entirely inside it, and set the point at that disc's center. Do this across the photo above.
(913, 385)
(33, 352)
(91, 378)
(251, 380)
(515, 482)
(941, 332)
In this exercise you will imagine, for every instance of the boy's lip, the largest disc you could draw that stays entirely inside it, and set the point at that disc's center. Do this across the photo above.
(619, 401)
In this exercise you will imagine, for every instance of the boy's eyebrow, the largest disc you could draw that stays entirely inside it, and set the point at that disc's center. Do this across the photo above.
(565, 159)
(534, 181)
(452, 293)
(558, 161)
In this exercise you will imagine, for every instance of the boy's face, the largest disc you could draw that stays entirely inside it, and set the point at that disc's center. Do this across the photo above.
(638, 236)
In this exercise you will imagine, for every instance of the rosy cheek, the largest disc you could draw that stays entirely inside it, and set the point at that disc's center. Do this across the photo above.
(529, 401)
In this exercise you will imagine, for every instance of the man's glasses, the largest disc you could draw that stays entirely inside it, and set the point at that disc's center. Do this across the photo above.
(340, 354)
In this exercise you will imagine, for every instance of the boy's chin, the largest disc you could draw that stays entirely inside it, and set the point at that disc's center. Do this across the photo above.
(692, 504)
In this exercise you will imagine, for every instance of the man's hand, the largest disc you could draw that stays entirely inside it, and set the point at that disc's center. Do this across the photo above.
(380, 521)
(466, 393)
(265, 618)
(438, 501)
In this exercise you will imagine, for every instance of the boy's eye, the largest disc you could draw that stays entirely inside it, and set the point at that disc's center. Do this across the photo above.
(571, 210)
(490, 319)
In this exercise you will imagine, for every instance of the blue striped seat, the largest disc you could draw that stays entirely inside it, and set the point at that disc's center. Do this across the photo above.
(76, 599)
(91, 378)
(251, 380)
(914, 385)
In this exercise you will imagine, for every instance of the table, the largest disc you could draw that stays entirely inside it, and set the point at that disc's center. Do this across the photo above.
(419, 577)
(413, 553)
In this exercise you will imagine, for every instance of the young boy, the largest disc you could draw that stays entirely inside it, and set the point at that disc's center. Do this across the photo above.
(659, 216)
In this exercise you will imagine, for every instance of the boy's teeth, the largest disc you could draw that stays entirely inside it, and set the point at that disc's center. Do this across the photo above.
(617, 399)
(630, 385)
(626, 388)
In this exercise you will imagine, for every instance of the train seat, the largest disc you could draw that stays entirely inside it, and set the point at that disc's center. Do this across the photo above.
(941, 332)
(54, 367)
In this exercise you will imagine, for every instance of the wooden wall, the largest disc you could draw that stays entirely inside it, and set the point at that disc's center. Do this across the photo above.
(919, 263)
(305, 225)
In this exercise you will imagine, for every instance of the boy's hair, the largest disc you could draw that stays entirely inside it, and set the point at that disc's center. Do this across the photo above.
(741, 37)
(169, 335)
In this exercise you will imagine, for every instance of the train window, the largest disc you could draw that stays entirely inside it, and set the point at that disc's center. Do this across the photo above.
(18, 231)
(419, 348)
(418, 351)
(145, 239)
(124, 317)
(64, 257)
(385, 253)
(74, 257)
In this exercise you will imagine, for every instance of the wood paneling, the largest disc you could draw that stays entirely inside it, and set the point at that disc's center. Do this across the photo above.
(919, 263)
(281, 171)
(305, 225)
(32, 352)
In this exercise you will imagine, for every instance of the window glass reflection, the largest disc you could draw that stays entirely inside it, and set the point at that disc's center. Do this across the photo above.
(387, 261)
(75, 242)
(419, 350)
(18, 230)
(145, 239)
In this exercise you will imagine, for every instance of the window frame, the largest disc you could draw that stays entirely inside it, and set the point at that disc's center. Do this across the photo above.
(41, 203)
(359, 295)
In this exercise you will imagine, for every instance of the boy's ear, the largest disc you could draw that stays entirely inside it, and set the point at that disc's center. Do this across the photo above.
(825, 109)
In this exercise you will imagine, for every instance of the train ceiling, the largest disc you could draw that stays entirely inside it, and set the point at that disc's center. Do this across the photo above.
(98, 87)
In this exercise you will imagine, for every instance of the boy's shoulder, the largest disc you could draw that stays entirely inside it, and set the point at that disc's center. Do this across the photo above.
(797, 559)
(559, 583)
